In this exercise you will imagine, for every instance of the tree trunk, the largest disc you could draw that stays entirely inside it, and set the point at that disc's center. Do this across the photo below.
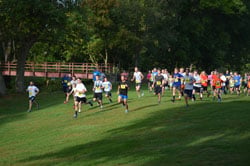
(7, 50)
(21, 59)
(2, 85)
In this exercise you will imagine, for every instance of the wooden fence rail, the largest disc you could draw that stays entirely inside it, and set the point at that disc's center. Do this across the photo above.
(56, 69)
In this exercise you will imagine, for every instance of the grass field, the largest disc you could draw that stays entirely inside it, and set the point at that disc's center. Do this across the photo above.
(207, 133)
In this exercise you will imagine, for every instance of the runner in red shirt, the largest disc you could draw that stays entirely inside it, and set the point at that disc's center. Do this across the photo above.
(217, 82)
(204, 82)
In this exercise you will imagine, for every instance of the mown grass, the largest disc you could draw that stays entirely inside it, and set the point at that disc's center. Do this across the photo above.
(207, 133)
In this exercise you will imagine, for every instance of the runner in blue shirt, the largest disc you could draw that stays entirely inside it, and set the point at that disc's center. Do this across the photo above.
(177, 83)
(237, 82)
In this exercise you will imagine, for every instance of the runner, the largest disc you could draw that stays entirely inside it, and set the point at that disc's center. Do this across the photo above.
(248, 86)
(204, 83)
(138, 77)
(170, 82)
(158, 85)
(150, 80)
(217, 90)
(73, 92)
(69, 88)
(244, 83)
(98, 91)
(177, 84)
(65, 82)
(107, 89)
(227, 75)
(189, 83)
(237, 82)
(33, 92)
(123, 87)
(231, 84)
(165, 76)
(80, 91)
(223, 84)
(182, 72)
(197, 86)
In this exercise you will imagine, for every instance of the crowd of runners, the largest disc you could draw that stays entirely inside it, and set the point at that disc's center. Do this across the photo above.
(182, 83)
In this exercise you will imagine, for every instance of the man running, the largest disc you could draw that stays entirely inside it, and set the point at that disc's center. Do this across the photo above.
(123, 87)
(138, 77)
(188, 89)
(33, 92)
(237, 82)
(158, 84)
(197, 85)
(80, 95)
(98, 91)
(217, 90)
(177, 83)
(204, 83)
(107, 89)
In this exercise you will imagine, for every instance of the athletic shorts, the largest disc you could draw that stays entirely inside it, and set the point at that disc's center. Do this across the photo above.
(68, 89)
(204, 88)
(123, 96)
(138, 84)
(108, 94)
(236, 86)
(98, 96)
(188, 92)
(165, 85)
(197, 89)
(32, 98)
(244, 85)
(158, 90)
(213, 88)
(177, 86)
(81, 99)
(65, 89)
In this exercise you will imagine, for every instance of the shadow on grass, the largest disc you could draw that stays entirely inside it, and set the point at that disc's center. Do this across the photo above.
(205, 134)
(14, 107)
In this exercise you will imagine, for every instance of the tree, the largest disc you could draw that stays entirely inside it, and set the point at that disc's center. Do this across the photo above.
(25, 21)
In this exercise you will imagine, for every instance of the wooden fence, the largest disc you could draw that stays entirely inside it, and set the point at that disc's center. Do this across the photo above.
(56, 69)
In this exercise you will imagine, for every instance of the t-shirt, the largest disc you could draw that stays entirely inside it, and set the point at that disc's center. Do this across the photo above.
(72, 82)
(237, 80)
(158, 80)
(80, 87)
(123, 88)
(188, 81)
(33, 90)
(177, 79)
(197, 81)
(204, 80)
(107, 86)
(98, 86)
(65, 81)
(165, 76)
(137, 76)
(217, 82)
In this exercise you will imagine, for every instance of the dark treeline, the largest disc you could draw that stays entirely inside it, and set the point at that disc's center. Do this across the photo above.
(147, 33)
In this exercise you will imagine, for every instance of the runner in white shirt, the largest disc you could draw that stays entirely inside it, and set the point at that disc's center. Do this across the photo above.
(165, 76)
(138, 77)
(107, 89)
(33, 91)
(98, 91)
(197, 85)
(80, 95)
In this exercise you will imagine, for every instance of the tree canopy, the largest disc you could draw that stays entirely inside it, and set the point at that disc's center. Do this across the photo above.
(147, 33)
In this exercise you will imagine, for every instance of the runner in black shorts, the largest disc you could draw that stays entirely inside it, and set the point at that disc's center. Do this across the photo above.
(158, 83)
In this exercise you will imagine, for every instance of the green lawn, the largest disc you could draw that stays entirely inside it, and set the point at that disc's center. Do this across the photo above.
(207, 133)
